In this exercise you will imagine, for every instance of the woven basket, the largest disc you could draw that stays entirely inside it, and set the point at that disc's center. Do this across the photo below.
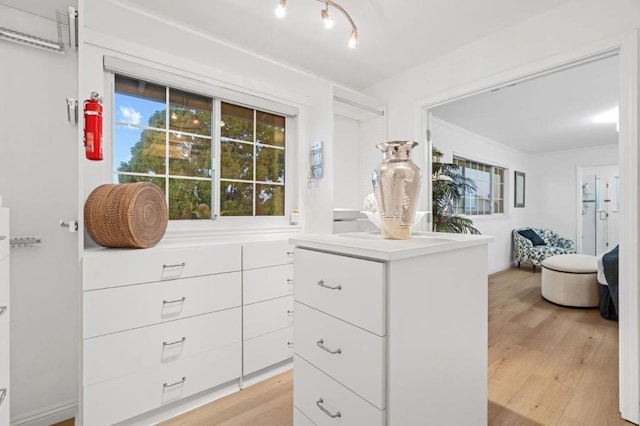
(127, 215)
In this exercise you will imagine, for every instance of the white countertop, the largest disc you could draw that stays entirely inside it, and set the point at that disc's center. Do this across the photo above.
(371, 245)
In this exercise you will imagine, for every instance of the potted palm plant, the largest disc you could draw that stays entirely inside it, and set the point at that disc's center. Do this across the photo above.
(449, 187)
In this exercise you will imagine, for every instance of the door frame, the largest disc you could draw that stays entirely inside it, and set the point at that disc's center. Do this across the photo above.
(626, 47)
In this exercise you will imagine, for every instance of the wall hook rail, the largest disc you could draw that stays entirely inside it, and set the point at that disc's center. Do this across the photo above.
(24, 241)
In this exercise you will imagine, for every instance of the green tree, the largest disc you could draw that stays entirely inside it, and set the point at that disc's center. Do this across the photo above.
(449, 187)
(189, 156)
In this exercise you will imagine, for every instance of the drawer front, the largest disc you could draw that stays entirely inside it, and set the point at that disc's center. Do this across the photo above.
(265, 317)
(124, 267)
(272, 253)
(124, 353)
(4, 233)
(266, 283)
(347, 288)
(4, 287)
(267, 350)
(313, 389)
(117, 309)
(352, 356)
(115, 400)
(300, 419)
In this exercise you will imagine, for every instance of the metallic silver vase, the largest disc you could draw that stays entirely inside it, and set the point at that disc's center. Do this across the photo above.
(396, 183)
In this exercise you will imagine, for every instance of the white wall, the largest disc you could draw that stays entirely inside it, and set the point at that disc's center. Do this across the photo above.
(451, 140)
(347, 163)
(38, 181)
(553, 198)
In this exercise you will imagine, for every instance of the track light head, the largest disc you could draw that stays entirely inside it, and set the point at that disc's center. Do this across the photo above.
(353, 40)
(326, 18)
(281, 9)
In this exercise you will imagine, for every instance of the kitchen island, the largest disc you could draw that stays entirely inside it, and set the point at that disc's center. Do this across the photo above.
(390, 332)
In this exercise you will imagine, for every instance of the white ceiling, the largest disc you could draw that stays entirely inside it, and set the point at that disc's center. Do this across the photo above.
(551, 113)
(393, 34)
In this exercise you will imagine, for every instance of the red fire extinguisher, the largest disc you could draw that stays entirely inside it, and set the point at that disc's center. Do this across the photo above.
(93, 127)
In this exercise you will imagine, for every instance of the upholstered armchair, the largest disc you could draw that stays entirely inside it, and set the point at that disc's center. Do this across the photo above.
(533, 245)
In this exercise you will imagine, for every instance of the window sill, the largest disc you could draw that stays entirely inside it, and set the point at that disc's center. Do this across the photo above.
(486, 218)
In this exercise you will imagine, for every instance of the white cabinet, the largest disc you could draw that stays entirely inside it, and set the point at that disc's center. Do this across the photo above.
(159, 325)
(4, 317)
(268, 312)
(390, 332)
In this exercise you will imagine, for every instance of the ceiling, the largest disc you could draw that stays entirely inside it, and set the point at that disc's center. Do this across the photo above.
(393, 35)
(541, 115)
(555, 112)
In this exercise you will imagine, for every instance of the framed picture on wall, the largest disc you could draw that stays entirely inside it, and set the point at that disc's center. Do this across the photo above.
(518, 196)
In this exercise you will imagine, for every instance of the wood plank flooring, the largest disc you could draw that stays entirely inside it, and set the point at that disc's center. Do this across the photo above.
(548, 365)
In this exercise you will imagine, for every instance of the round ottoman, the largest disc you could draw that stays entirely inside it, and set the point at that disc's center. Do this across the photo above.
(571, 280)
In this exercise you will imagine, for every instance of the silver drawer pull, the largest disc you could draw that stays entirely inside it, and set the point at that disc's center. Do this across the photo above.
(165, 344)
(290, 253)
(177, 265)
(290, 281)
(327, 412)
(166, 302)
(321, 345)
(322, 284)
(179, 382)
(290, 313)
(3, 237)
(3, 395)
(3, 309)
(290, 344)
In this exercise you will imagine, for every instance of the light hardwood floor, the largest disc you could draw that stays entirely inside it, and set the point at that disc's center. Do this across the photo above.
(548, 365)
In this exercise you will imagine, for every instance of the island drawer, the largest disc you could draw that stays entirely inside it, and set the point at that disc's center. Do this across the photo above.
(345, 287)
(319, 397)
(350, 355)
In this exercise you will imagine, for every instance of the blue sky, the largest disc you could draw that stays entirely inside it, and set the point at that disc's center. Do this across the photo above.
(132, 110)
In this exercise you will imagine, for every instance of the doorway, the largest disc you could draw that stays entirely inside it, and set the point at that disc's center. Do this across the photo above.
(599, 206)
(626, 48)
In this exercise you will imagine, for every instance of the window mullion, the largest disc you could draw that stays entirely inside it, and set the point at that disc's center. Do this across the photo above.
(166, 144)
(255, 153)
(215, 174)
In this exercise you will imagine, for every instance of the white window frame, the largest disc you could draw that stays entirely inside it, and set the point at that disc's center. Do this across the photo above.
(224, 224)
(505, 204)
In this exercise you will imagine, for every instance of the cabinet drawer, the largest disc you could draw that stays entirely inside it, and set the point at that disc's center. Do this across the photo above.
(123, 267)
(269, 349)
(265, 317)
(267, 283)
(358, 361)
(115, 400)
(4, 286)
(313, 389)
(300, 419)
(272, 253)
(4, 233)
(124, 353)
(117, 309)
(347, 288)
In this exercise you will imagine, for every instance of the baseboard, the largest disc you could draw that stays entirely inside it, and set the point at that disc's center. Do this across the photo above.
(267, 373)
(48, 415)
(501, 269)
(182, 406)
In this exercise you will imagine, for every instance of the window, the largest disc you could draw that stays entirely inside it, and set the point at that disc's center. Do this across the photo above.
(168, 136)
(488, 198)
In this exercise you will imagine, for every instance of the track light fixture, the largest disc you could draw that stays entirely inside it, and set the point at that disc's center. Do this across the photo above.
(326, 18)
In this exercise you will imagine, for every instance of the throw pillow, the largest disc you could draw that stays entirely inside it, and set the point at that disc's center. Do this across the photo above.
(532, 236)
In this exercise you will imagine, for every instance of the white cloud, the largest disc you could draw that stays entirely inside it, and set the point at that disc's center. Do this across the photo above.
(130, 115)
